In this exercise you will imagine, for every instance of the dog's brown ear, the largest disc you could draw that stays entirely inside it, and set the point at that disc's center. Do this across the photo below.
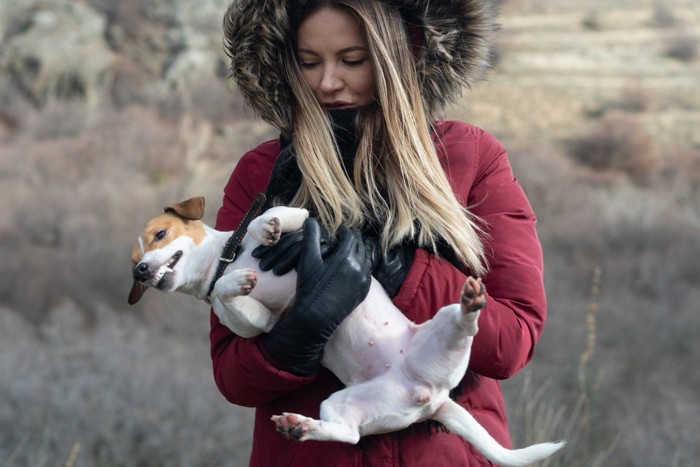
(191, 209)
(137, 291)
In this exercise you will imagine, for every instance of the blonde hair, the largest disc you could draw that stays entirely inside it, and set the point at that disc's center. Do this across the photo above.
(397, 176)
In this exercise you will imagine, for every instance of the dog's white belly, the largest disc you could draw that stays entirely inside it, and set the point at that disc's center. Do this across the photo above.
(275, 292)
(371, 341)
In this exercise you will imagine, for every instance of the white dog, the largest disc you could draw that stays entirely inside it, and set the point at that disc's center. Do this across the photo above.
(396, 372)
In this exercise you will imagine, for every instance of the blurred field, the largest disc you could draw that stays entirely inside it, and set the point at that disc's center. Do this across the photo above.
(599, 107)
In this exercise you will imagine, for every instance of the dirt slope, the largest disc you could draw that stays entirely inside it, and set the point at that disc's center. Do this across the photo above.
(563, 63)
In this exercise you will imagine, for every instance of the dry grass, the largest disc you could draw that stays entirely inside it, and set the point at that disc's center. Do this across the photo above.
(624, 338)
(120, 389)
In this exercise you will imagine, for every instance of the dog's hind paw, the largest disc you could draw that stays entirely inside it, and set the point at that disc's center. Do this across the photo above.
(293, 426)
(473, 295)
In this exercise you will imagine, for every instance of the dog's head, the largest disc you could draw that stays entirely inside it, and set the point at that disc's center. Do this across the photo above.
(160, 252)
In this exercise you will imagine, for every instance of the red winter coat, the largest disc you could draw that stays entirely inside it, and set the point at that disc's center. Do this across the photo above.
(509, 325)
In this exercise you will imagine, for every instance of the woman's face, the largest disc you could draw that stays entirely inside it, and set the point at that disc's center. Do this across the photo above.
(334, 60)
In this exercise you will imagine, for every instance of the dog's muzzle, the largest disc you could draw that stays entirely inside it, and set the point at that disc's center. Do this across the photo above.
(144, 273)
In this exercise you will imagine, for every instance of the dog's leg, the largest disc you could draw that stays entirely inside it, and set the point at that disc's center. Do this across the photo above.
(340, 418)
(235, 283)
(244, 315)
(266, 229)
(440, 350)
(459, 421)
(270, 225)
(301, 428)
(379, 405)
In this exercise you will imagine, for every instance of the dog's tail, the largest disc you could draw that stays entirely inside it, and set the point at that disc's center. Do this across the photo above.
(459, 421)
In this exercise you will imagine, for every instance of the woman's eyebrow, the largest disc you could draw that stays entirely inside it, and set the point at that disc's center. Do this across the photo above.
(306, 51)
(342, 51)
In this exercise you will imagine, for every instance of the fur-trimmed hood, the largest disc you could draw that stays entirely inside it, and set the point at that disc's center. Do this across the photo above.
(456, 50)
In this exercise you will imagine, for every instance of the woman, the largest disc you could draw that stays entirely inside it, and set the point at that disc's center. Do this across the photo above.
(356, 88)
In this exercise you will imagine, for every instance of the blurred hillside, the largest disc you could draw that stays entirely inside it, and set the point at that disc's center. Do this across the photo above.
(111, 110)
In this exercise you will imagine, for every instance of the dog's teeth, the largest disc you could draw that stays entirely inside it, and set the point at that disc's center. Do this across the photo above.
(167, 269)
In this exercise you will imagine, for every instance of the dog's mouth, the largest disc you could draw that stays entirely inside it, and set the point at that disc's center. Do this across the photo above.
(167, 268)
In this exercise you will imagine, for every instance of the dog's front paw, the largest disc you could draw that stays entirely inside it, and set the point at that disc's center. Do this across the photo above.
(244, 281)
(266, 230)
(473, 295)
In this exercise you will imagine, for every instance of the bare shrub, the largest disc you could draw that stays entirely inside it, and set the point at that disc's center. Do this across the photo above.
(15, 108)
(122, 389)
(129, 83)
(537, 416)
(646, 244)
(636, 98)
(139, 137)
(591, 21)
(618, 143)
(683, 46)
(69, 224)
(211, 99)
(127, 14)
(60, 118)
(663, 16)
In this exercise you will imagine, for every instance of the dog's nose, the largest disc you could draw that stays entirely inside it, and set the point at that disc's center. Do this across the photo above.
(141, 272)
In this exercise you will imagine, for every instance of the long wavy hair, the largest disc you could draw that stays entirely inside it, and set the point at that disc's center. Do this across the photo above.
(397, 176)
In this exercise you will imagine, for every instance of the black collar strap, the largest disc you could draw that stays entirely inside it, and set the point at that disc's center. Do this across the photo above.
(234, 241)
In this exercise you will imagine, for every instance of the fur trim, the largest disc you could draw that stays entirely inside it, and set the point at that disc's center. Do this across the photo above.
(456, 50)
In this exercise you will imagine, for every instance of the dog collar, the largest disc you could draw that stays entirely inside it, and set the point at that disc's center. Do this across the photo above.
(234, 241)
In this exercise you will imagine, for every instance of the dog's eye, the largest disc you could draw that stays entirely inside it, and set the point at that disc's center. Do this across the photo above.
(160, 234)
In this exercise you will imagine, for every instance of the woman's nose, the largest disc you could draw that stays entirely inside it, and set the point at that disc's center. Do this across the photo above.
(331, 80)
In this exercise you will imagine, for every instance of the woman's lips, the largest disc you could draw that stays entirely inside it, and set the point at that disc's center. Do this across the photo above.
(336, 105)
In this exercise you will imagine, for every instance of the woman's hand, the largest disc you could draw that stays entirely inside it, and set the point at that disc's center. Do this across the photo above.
(329, 287)
(389, 269)
(283, 256)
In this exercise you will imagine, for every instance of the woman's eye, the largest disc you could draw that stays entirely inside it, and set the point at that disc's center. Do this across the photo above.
(354, 62)
(307, 64)
(161, 234)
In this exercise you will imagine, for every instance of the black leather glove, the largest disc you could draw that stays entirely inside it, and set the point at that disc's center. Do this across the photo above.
(283, 256)
(390, 269)
(328, 289)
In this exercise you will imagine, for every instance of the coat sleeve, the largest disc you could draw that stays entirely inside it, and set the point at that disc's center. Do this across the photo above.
(515, 312)
(241, 372)
(513, 318)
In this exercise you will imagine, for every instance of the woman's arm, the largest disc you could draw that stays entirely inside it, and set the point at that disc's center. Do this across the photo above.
(241, 372)
(516, 308)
